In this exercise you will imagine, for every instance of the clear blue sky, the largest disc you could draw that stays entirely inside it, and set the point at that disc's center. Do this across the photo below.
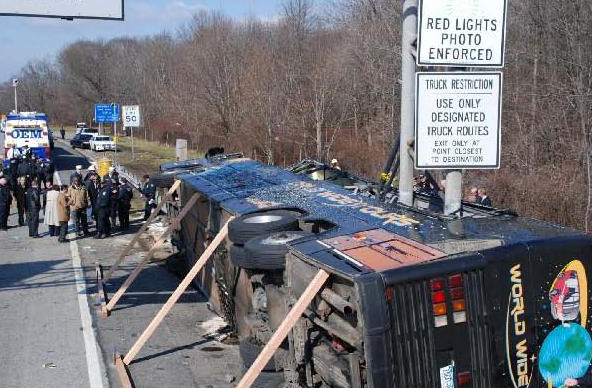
(23, 39)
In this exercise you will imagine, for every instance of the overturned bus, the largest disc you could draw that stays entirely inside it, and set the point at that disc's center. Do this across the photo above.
(484, 299)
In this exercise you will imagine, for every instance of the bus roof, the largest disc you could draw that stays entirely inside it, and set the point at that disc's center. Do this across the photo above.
(243, 186)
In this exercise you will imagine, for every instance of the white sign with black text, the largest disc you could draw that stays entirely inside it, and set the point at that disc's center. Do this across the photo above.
(461, 33)
(83, 9)
(131, 116)
(458, 120)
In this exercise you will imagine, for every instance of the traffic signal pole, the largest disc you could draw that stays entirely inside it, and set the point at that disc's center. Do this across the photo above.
(409, 37)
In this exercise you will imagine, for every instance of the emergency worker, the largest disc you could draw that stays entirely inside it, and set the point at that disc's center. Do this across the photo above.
(93, 186)
(149, 193)
(33, 208)
(126, 194)
(20, 194)
(103, 211)
(5, 202)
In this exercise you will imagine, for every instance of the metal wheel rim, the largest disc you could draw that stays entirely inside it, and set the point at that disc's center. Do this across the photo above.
(262, 219)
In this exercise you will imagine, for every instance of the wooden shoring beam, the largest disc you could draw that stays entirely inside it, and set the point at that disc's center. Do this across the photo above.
(101, 292)
(174, 223)
(197, 267)
(282, 331)
(138, 234)
(124, 375)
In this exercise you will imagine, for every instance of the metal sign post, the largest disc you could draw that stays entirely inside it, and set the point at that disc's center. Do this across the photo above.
(14, 85)
(409, 36)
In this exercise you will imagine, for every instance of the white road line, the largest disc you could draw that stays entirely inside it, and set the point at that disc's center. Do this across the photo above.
(93, 361)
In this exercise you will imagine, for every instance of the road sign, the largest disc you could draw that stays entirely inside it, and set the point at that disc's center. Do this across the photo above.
(106, 113)
(79, 9)
(458, 120)
(131, 116)
(461, 33)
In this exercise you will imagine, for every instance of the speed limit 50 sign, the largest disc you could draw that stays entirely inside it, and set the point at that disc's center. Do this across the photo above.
(131, 116)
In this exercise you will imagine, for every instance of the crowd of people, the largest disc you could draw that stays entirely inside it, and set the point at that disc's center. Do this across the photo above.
(424, 185)
(107, 199)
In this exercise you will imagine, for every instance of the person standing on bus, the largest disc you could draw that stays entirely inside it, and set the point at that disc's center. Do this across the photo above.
(33, 208)
(5, 202)
(13, 153)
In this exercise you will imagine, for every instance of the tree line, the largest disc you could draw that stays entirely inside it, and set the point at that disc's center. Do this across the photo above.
(323, 82)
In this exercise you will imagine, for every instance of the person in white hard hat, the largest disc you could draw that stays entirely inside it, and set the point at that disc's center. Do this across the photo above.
(335, 164)
(92, 170)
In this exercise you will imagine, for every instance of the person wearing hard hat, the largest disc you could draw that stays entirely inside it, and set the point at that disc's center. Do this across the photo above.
(92, 170)
(335, 164)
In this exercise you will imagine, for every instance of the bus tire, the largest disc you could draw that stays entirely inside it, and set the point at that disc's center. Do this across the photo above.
(237, 256)
(268, 251)
(248, 226)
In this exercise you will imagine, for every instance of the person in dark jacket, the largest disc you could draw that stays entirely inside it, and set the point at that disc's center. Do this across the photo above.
(20, 194)
(77, 174)
(149, 193)
(63, 133)
(114, 203)
(126, 194)
(93, 186)
(44, 173)
(28, 169)
(104, 211)
(5, 202)
(91, 171)
(13, 171)
(484, 199)
(33, 208)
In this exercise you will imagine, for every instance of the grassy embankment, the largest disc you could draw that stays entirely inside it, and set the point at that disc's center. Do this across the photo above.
(149, 155)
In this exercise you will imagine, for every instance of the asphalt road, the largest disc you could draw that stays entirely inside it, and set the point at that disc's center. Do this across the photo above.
(46, 332)
(50, 338)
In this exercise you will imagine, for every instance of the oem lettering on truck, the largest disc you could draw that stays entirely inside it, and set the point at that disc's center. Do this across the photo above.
(28, 129)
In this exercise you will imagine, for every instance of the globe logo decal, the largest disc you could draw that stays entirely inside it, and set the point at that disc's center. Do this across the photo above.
(566, 353)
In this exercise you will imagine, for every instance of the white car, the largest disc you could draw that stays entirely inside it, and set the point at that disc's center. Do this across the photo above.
(102, 143)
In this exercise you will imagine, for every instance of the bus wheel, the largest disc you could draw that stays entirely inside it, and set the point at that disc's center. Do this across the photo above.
(251, 225)
(268, 252)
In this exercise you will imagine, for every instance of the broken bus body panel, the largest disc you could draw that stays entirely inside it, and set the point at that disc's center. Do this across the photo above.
(414, 298)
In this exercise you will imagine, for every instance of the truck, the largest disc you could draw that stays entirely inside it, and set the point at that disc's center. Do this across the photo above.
(28, 130)
(483, 298)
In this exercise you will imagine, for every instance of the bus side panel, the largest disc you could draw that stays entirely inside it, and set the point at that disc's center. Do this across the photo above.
(561, 269)
(509, 284)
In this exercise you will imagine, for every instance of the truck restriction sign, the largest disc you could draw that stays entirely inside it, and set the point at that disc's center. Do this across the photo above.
(462, 33)
(458, 120)
(131, 116)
